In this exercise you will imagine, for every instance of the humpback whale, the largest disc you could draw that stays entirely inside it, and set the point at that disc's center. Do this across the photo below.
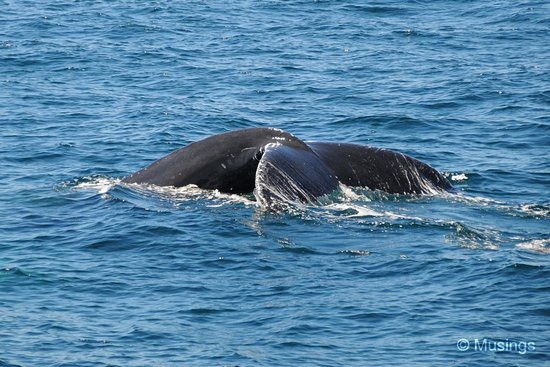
(278, 167)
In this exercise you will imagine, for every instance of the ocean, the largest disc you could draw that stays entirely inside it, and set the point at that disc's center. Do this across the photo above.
(97, 273)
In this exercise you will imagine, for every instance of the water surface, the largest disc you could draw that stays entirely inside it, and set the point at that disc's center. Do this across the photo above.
(93, 273)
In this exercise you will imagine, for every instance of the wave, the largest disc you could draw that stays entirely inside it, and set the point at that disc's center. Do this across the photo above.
(530, 210)
(540, 245)
(100, 184)
(349, 206)
(110, 187)
(346, 201)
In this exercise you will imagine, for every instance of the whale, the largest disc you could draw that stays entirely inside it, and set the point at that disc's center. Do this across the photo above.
(277, 167)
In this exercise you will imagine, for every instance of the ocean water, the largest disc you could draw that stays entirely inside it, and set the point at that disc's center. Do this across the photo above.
(95, 273)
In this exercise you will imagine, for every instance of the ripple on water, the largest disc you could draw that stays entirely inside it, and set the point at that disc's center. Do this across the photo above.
(94, 272)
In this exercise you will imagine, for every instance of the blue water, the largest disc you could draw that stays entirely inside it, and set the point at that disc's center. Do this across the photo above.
(93, 273)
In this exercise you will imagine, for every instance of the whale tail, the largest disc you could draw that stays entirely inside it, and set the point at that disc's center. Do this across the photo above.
(280, 168)
(288, 175)
(380, 169)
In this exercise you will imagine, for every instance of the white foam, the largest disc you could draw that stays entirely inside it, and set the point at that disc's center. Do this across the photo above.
(360, 211)
(356, 252)
(459, 177)
(363, 211)
(350, 195)
(474, 199)
(102, 185)
(190, 192)
(540, 246)
(535, 210)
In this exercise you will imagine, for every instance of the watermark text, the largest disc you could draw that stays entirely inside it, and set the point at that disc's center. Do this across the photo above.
(491, 345)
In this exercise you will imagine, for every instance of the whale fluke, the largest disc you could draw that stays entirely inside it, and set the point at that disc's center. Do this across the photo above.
(278, 167)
